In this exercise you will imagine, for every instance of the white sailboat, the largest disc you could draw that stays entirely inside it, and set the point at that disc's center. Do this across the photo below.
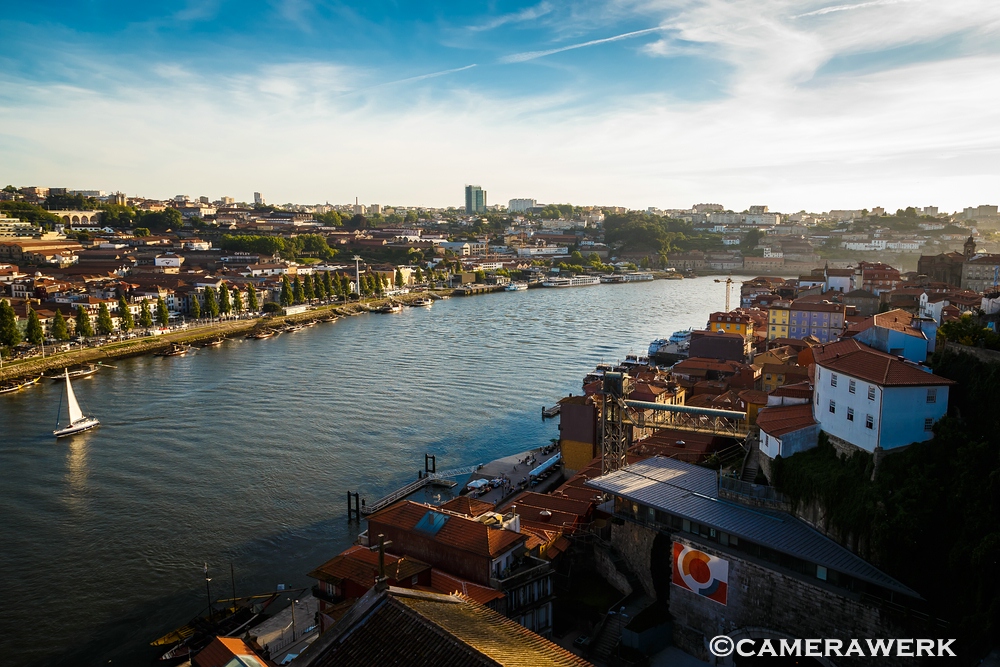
(77, 421)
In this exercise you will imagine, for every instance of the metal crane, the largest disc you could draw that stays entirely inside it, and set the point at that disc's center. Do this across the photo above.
(729, 283)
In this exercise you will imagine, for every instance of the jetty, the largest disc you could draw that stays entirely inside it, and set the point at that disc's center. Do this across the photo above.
(430, 479)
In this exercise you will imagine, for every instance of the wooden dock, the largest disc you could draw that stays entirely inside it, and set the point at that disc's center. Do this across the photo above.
(549, 413)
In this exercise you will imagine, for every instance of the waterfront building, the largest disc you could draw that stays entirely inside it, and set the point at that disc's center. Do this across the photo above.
(800, 319)
(398, 626)
(898, 333)
(731, 322)
(871, 400)
(749, 572)
(475, 199)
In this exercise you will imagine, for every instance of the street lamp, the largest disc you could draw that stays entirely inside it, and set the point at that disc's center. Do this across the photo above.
(357, 274)
(294, 602)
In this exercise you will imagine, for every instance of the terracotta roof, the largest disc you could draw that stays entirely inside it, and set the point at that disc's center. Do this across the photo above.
(360, 565)
(467, 506)
(446, 584)
(797, 390)
(457, 531)
(406, 627)
(896, 320)
(777, 421)
(860, 361)
(222, 650)
(754, 396)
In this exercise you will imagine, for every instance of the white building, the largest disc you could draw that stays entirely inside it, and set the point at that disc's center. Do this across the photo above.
(521, 205)
(874, 400)
(15, 227)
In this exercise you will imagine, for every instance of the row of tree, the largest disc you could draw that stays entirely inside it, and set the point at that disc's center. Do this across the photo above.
(34, 332)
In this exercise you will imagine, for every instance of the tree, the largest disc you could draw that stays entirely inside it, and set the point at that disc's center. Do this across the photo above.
(319, 290)
(141, 232)
(480, 276)
(145, 317)
(125, 320)
(10, 334)
(252, 299)
(34, 331)
(162, 314)
(237, 300)
(84, 327)
(59, 329)
(195, 309)
(345, 286)
(399, 278)
(211, 303)
(225, 304)
(328, 285)
(286, 290)
(105, 325)
(418, 276)
(298, 294)
(307, 288)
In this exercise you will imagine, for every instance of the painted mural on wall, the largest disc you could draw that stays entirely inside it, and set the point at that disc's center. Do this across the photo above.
(700, 573)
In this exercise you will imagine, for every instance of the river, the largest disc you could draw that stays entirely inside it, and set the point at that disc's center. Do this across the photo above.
(244, 453)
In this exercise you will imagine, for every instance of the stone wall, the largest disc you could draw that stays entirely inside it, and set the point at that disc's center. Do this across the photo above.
(606, 568)
(766, 603)
(635, 544)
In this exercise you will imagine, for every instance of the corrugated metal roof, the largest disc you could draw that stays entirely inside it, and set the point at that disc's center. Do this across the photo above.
(691, 492)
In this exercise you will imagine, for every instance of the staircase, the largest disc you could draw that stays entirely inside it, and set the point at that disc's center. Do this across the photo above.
(750, 466)
(606, 643)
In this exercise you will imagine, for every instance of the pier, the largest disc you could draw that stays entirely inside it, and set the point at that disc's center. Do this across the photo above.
(429, 479)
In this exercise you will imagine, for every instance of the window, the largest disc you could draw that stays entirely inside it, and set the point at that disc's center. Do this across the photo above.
(928, 424)
(833, 406)
(871, 393)
(869, 421)
(852, 386)
(850, 414)
(932, 395)
(833, 379)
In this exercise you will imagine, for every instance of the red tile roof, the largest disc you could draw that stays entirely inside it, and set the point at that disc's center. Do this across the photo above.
(360, 565)
(777, 421)
(860, 361)
(459, 532)
(896, 320)
(467, 506)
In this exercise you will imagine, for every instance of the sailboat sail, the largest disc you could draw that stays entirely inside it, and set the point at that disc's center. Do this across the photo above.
(75, 413)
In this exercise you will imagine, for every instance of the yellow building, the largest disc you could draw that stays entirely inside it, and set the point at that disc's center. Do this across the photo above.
(777, 321)
(737, 323)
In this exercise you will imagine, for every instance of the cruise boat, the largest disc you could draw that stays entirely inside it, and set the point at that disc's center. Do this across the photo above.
(516, 287)
(679, 341)
(575, 281)
(615, 278)
(78, 422)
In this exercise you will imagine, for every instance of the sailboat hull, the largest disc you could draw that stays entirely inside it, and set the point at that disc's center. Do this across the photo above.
(80, 426)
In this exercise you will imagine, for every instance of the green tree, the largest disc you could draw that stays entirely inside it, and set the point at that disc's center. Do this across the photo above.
(59, 329)
(162, 314)
(418, 276)
(211, 303)
(286, 291)
(84, 327)
(319, 290)
(141, 232)
(399, 278)
(307, 288)
(10, 333)
(195, 309)
(237, 300)
(298, 294)
(125, 320)
(252, 302)
(105, 325)
(225, 303)
(145, 317)
(345, 286)
(328, 285)
(480, 276)
(34, 331)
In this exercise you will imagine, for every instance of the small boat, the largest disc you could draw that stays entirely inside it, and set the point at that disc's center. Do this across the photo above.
(261, 335)
(516, 287)
(214, 343)
(78, 422)
(83, 372)
(10, 388)
(389, 308)
(423, 301)
(175, 350)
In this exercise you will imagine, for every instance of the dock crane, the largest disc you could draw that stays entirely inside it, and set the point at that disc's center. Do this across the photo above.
(729, 283)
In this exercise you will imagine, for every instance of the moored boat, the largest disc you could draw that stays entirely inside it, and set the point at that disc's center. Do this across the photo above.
(175, 350)
(389, 308)
(423, 301)
(82, 372)
(575, 281)
(78, 422)
(516, 287)
(261, 335)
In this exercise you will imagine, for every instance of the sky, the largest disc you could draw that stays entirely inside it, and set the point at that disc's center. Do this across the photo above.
(794, 104)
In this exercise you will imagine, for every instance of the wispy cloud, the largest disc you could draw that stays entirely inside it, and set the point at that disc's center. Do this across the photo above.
(532, 55)
(847, 8)
(526, 14)
(411, 79)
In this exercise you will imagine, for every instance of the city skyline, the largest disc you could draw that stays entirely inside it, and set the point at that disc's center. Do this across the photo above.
(817, 106)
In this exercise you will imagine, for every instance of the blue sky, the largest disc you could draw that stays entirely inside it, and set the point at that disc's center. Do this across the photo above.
(796, 104)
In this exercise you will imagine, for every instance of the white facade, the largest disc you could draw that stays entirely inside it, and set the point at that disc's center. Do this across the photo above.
(870, 415)
(520, 205)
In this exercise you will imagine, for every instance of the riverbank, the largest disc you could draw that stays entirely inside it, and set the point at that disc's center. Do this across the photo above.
(20, 369)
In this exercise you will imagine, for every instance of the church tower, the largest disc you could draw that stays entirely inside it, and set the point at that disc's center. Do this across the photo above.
(970, 247)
